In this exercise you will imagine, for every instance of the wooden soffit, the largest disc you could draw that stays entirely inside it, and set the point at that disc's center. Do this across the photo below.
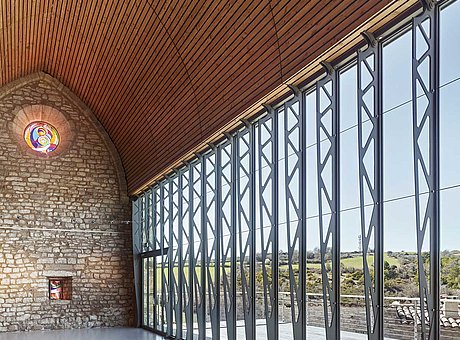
(166, 77)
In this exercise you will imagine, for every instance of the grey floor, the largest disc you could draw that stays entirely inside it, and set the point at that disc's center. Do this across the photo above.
(140, 334)
(84, 334)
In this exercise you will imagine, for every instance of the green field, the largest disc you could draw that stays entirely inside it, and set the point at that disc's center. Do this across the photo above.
(357, 262)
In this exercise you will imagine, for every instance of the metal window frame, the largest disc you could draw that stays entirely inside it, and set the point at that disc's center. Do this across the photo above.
(148, 214)
(330, 231)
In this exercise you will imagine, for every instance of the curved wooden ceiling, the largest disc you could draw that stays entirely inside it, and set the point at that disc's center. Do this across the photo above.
(162, 76)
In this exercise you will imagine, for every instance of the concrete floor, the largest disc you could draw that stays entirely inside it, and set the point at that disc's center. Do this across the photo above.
(84, 334)
(140, 334)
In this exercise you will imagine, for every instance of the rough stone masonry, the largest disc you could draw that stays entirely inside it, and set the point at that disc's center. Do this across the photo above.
(62, 216)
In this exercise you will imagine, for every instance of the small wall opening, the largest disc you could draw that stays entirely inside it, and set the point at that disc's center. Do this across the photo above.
(60, 288)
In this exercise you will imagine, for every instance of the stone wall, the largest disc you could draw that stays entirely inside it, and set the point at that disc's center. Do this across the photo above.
(62, 216)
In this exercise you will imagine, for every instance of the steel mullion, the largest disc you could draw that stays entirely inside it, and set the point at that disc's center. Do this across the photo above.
(435, 246)
(191, 253)
(218, 230)
(331, 294)
(246, 246)
(210, 225)
(373, 286)
(176, 253)
(252, 215)
(234, 219)
(154, 218)
(154, 234)
(303, 211)
(162, 247)
(136, 260)
(204, 241)
(297, 320)
(275, 203)
(269, 287)
(170, 260)
(379, 246)
(429, 292)
(146, 223)
(179, 250)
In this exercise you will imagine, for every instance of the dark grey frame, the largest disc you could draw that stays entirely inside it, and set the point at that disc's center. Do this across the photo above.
(246, 155)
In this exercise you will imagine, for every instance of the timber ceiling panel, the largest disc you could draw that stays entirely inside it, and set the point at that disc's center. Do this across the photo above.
(162, 76)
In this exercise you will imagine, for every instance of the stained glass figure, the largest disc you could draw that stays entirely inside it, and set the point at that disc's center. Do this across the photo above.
(41, 137)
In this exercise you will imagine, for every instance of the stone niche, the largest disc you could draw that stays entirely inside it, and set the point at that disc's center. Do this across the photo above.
(62, 215)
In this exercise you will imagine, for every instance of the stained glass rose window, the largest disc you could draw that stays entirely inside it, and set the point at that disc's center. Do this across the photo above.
(41, 137)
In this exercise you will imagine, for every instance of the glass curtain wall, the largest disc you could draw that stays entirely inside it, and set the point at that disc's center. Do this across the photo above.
(332, 215)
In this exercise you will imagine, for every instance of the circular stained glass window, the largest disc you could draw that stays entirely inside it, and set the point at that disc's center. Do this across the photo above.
(41, 137)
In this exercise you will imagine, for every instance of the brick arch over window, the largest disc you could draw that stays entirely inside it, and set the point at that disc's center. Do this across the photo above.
(67, 126)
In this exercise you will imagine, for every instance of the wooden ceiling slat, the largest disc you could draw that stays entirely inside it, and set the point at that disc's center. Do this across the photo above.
(69, 16)
(217, 101)
(59, 51)
(87, 55)
(155, 60)
(115, 64)
(181, 28)
(68, 46)
(75, 67)
(106, 28)
(4, 43)
(98, 46)
(212, 29)
(154, 149)
(147, 50)
(334, 31)
(152, 96)
(38, 35)
(176, 72)
(18, 26)
(288, 14)
(13, 37)
(39, 18)
(115, 80)
(106, 53)
(211, 62)
(8, 40)
(233, 33)
(51, 36)
(27, 38)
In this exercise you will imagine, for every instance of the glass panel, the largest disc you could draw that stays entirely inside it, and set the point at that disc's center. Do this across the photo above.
(243, 280)
(449, 48)
(212, 287)
(151, 296)
(401, 299)
(175, 253)
(145, 295)
(449, 174)
(165, 286)
(315, 309)
(449, 98)
(450, 264)
(227, 249)
(353, 312)
(185, 270)
(164, 293)
(158, 293)
(197, 249)
(397, 120)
